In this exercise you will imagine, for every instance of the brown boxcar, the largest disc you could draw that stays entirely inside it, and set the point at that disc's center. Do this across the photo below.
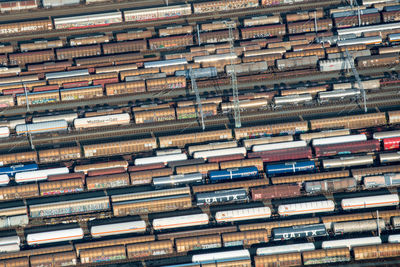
(215, 6)
(81, 51)
(145, 206)
(17, 262)
(390, 59)
(175, 30)
(135, 72)
(353, 21)
(309, 177)
(217, 25)
(19, 191)
(257, 162)
(107, 181)
(350, 122)
(216, 36)
(309, 26)
(39, 251)
(262, 42)
(4, 60)
(146, 176)
(326, 256)
(390, 16)
(55, 259)
(319, 52)
(168, 83)
(202, 168)
(219, 159)
(27, 26)
(230, 185)
(305, 15)
(76, 84)
(81, 93)
(67, 176)
(170, 70)
(338, 49)
(31, 57)
(5, 49)
(377, 252)
(394, 117)
(289, 259)
(331, 185)
(45, 88)
(61, 187)
(171, 42)
(283, 154)
(7, 159)
(93, 255)
(133, 35)
(89, 40)
(200, 232)
(352, 147)
(263, 31)
(146, 167)
(40, 45)
(150, 249)
(59, 154)
(50, 66)
(126, 88)
(275, 191)
(197, 242)
(270, 59)
(121, 59)
(106, 171)
(34, 99)
(198, 137)
(245, 238)
(154, 115)
(124, 47)
(189, 55)
(120, 147)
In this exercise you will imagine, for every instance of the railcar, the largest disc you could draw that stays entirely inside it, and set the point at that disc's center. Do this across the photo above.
(299, 231)
(223, 196)
(88, 21)
(180, 221)
(157, 13)
(54, 236)
(243, 214)
(233, 174)
(351, 243)
(274, 250)
(370, 202)
(306, 208)
(118, 228)
(176, 180)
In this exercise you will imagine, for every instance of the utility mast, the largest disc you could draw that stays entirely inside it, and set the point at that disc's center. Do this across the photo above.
(350, 59)
(27, 110)
(236, 108)
(198, 100)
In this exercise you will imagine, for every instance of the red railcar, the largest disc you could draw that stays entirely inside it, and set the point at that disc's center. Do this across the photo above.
(283, 154)
(218, 159)
(347, 148)
(67, 176)
(46, 88)
(146, 167)
(275, 191)
(391, 143)
(75, 84)
(106, 171)
(102, 82)
(14, 91)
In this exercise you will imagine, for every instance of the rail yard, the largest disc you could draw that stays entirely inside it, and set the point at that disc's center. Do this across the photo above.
(199, 133)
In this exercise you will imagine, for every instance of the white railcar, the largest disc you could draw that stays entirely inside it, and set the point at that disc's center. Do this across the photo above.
(243, 214)
(65, 74)
(157, 13)
(358, 31)
(306, 208)
(39, 175)
(225, 255)
(394, 239)
(4, 132)
(86, 21)
(362, 40)
(212, 146)
(347, 162)
(338, 94)
(386, 134)
(323, 134)
(180, 221)
(42, 127)
(70, 117)
(10, 244)
(285, 249)
(220, 152)
(370, 202)
(160, 159)
(168, 151)
(277, 146)
(352, 242)
(249, 143)
(165, 63)
(339, 139)
(389, 157)
(216, 57)
(102, 121)
(54, 236)
(4, 179)
(118, 228)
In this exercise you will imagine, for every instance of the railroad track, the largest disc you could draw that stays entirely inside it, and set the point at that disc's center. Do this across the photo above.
(179, 21)
(173, 95)
(187, 125)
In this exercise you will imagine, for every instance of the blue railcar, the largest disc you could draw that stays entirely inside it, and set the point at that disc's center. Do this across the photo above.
(391, 8)
(290, 167)
(355, 12)
(299, 231)
(394, 37)
(233, 174)
(12, 170)
(223, 196)
(198, 73)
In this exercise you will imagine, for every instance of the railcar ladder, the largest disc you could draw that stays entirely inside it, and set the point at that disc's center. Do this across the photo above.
(27, 110)
(350, 59)
(198, 100)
